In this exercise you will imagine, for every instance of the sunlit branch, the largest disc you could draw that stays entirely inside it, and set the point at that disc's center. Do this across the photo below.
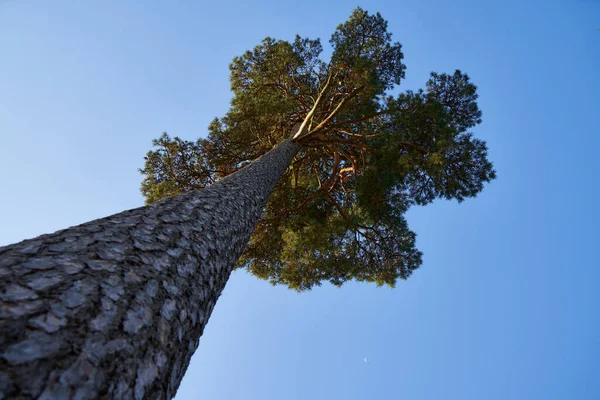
(308, 117)
(345, 132)
(337, 109)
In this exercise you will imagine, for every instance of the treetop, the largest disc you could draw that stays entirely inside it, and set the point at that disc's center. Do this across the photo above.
(366, 156)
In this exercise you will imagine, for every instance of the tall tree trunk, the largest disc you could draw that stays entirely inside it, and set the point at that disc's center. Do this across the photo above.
(115, 307)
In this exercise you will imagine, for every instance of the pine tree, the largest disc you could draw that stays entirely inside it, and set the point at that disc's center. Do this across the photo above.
(305, 179)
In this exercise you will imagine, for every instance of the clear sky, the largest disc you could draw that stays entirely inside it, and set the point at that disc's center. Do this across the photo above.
(505, 305)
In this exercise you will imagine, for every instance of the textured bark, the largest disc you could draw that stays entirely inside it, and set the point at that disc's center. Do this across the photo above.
(115, 307)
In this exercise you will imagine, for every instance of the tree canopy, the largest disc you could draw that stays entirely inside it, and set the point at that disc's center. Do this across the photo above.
(366, 157)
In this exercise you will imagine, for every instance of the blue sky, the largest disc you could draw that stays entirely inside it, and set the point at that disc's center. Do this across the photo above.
(505, 304)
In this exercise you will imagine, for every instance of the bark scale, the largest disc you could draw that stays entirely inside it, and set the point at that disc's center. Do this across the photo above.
(115, 307)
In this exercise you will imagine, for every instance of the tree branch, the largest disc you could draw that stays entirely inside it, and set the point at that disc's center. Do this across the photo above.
(302, 128)
(357, 120)
(336, 110)
(345, 132)
(338, 207)
(415, 146)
